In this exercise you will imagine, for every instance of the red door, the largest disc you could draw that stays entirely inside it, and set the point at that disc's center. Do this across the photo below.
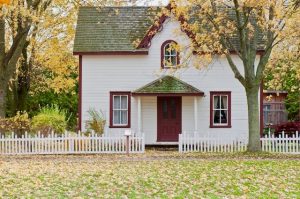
(168, 118)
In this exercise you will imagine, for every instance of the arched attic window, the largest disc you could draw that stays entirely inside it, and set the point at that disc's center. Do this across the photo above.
(169, 54)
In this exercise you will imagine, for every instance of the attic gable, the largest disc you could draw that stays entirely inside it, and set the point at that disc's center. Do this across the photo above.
(114, 30)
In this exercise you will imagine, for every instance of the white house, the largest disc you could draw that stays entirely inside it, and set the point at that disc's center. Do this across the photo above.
(137, 88)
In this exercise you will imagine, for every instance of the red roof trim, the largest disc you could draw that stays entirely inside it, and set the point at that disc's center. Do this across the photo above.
(168, 94)
(155, 28)
(158, 25)
(80, 95)
(112, 53)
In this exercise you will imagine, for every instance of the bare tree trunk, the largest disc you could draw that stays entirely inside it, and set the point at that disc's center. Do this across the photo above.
(253, 119)
(20, 88)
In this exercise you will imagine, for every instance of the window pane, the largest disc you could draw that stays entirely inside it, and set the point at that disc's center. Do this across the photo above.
(216, 102)
(167, 49)
(117, 119)
(167, 61)
(124, 117)
(224, 117)
(173, 51)
(224, 102)
(173, 61)
(267, 107)
(117, 102)
(173, 108)
(217, 117)
(124, 102)
(165, 109)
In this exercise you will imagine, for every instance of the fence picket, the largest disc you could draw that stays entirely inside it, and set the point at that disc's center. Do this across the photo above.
(281, 144)
(68, 144)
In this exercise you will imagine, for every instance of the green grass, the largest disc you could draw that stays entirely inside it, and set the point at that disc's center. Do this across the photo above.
(153, 175)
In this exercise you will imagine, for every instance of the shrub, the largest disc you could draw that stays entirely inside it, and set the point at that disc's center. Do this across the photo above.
(96, 122)
(17, 124)
(50, 119)
(67, 101)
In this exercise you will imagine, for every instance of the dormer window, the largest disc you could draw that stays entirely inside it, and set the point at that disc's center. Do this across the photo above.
(169, 54)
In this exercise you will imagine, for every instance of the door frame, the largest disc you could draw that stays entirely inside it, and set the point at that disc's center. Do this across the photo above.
(157, 118)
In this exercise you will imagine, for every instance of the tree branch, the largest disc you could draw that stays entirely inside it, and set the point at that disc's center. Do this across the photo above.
(235, 70)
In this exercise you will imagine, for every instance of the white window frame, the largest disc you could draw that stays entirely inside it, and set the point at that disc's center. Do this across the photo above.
(120, 110)
(169, 56)
(220, 109)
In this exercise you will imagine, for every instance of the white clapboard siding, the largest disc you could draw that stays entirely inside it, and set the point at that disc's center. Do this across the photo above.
(195, 142)
(281, 144)
(68, 143)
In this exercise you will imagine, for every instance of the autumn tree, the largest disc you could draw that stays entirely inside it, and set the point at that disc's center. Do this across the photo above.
(47, 61)
(283, 70)
(16, 23)
(258, 26)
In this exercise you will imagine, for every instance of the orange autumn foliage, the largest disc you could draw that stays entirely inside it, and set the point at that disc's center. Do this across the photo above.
(4, 2)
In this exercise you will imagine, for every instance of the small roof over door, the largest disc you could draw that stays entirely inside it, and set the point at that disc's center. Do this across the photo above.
(168, 86)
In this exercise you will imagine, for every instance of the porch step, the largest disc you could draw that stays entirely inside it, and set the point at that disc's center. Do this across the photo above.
(162, 147)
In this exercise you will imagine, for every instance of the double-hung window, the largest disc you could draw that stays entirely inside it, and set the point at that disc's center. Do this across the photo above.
(220, 109)
(120, 109)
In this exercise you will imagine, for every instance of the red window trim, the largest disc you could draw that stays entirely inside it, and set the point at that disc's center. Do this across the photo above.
(212, 93)
(162, 54)
(112, 93)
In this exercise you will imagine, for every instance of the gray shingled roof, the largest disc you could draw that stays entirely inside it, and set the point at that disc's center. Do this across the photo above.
(116, 28)
(168, 84)
(111, 28)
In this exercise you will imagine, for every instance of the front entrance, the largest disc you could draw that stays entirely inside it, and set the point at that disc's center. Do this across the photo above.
(168, 119)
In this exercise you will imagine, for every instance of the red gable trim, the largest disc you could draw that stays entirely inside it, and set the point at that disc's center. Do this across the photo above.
(112, 53)
(155, 28)
(158, 26)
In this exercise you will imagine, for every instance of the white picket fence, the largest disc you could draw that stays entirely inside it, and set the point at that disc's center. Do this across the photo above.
(270, 143)
(69, 143)
(195, 142)
(281, 144)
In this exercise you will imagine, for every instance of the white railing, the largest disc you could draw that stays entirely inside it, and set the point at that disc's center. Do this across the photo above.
(195, 142)
(69, 143)
(281, 144)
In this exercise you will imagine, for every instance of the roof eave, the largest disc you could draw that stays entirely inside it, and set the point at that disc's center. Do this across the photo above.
(168, 94)
(140, 52)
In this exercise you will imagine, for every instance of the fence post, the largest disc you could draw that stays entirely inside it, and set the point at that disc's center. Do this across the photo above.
(71, 142)
(180, 145)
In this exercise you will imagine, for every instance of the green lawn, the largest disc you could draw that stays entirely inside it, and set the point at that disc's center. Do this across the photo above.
(152, 175)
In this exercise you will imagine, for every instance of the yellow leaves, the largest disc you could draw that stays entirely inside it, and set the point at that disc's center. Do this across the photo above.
(4, 2)
(151, 175)
(19, 123)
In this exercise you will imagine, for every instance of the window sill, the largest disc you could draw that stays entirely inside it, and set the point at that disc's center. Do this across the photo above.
(170, 67)
(119, 127)
(218, 127)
